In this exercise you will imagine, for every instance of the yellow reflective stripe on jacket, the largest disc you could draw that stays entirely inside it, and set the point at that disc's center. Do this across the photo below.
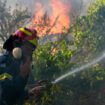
(26, 31)
(5, 76)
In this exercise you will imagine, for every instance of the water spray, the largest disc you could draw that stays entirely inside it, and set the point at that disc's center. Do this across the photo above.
(47, 85)
(78, 69)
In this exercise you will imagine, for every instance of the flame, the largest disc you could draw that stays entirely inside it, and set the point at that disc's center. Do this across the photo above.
(52, 22)
(39, 10)
(53, 51)
(61, 10)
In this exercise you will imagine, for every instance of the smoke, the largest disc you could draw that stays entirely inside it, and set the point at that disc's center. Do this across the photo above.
(30, 4)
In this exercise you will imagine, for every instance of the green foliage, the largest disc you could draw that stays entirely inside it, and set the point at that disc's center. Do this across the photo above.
(51, 61)
(89, 31)
(86, 87)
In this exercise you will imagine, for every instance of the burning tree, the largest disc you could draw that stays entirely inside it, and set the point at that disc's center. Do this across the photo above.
(52, 22)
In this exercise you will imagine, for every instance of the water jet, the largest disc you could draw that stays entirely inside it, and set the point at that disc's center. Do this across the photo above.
(79, 69)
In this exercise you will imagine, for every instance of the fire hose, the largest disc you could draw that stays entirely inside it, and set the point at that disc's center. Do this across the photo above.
(36, 91)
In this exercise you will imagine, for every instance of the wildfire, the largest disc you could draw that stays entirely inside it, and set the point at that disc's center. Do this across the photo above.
(52, 22)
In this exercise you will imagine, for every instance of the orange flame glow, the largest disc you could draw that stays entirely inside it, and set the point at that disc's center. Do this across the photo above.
(52, 23)
(54, 51)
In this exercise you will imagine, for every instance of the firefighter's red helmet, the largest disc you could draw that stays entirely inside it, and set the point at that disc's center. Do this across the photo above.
(29, 34)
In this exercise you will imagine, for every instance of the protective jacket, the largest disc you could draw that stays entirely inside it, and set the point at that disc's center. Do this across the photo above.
(11, 83)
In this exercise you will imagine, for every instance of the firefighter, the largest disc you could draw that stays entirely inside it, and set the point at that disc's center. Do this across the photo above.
(15, 65)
